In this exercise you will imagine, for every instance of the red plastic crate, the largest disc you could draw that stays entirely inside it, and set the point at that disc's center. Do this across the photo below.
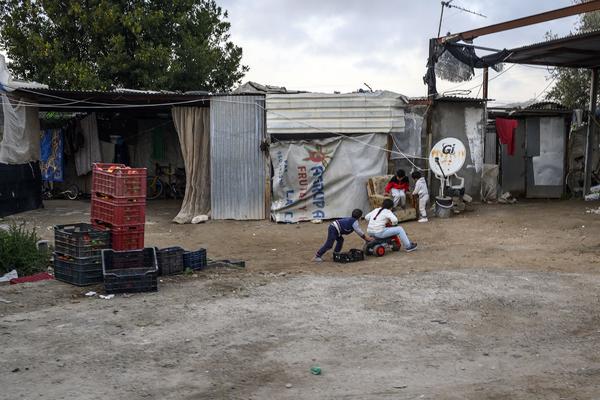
(119, 200)
(127, 240)
(115, 213)
(127, 237)
(122, 182)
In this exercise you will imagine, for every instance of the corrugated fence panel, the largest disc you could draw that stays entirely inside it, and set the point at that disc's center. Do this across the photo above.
(238, 166)
(353, 113)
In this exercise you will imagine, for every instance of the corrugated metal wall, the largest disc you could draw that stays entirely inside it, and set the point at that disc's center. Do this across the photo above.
(317, 113)
(238, 166)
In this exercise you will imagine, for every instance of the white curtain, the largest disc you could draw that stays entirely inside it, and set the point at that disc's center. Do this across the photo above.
(90, 152)
(193, 129)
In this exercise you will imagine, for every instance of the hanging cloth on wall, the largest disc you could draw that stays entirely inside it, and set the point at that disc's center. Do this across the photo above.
(52, 163)
(90, 152)
(20, 140)
(505, 129)
(73, 138)
(121, 152)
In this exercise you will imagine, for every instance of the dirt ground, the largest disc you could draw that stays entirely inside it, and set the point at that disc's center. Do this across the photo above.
(498, 303)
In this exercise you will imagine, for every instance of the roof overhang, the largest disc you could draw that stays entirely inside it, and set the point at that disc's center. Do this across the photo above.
(574, 51)
(82, 100)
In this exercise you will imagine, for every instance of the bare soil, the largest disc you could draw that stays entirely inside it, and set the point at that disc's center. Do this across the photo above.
(498, 303)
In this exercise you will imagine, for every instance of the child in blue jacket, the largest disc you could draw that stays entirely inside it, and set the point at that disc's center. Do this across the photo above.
(336, 231)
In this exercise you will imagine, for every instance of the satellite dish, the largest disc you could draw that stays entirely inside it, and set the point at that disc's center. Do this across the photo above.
(447, 157)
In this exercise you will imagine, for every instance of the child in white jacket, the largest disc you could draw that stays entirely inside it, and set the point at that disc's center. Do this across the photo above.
(421, 191)
(380, 218)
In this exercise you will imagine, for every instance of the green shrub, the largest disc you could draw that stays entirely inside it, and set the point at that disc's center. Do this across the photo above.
(18, 250)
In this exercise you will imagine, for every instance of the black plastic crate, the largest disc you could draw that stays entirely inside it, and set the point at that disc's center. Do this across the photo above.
(78, 271)
(194, 259)
(130, 271)
(170, 260)
(80, 240)
(351, 256)
(131, 281)
(129, 259)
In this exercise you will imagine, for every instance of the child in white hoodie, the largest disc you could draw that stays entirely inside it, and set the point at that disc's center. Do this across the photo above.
(380, 218)
(421, 191)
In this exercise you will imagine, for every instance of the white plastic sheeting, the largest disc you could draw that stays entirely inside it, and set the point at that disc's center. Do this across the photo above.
(408, 142)
(474, 131)
(324, 179)
(548, 167)
(21, 137)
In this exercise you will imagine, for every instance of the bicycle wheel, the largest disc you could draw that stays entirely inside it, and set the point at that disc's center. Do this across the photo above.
(72, 193)
(575, 181)
(154, 187)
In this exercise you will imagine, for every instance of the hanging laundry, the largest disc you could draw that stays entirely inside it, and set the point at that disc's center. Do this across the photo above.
(52, 163)
(90, 152)
(505, 129)
(121, 152)
(74, 139)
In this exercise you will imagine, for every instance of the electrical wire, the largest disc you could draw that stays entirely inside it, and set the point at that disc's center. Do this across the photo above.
(546, 88)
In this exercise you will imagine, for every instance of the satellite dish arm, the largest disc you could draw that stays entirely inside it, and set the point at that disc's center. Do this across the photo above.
(437, 161)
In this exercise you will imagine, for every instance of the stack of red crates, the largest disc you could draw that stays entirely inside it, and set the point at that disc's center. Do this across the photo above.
(119, 204)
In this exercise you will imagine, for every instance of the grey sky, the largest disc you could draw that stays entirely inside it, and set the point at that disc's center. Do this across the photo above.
(327, 45)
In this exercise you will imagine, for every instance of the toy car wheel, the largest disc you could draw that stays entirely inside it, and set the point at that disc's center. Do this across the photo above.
(379, 251)
(395, 247)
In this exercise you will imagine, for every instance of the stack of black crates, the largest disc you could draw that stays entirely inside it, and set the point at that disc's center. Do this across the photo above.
(77, 253)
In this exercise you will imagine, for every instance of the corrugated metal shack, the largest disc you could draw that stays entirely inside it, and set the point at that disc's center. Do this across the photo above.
(538, 167)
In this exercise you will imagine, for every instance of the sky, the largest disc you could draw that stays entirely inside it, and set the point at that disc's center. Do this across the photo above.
(338, 45)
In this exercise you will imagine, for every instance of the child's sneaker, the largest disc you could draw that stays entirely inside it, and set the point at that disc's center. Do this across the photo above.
(412, 247)
(317, 259)
(423, 219)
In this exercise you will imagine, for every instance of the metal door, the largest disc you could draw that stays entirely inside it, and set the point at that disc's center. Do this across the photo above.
(238, 165)
(513, 166)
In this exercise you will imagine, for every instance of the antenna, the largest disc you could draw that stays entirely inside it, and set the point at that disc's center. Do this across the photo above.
(449, 4)
(364, 83)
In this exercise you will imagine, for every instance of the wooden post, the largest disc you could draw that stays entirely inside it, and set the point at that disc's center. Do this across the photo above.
(485, 82)
(591, 129)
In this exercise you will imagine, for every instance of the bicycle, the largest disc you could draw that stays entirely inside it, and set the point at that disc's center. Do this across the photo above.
(49, 192)
(174, 187)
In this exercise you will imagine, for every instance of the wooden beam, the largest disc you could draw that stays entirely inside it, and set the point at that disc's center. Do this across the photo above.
(592, 5)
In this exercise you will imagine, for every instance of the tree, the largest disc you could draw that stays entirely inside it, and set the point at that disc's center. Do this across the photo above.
(141, 44)
(572, 86)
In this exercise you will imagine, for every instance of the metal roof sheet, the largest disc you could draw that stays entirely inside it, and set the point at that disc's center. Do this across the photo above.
(350, 113)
